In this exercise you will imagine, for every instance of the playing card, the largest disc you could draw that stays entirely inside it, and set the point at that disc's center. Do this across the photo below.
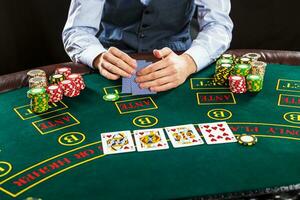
(117, 142)
(150, 140)
(217, 133)
(126, 85)
(184, 136)
(136, 90)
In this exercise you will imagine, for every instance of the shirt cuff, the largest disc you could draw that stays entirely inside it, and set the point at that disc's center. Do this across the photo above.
(88, 55)
(200, 56)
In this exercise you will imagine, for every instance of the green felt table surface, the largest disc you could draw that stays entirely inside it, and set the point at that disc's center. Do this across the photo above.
(38, 165)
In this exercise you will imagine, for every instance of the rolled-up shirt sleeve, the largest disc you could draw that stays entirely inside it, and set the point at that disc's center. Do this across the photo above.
(79, 34)
(215, 32)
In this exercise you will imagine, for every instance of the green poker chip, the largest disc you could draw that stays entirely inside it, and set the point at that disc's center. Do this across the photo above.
(111, 97)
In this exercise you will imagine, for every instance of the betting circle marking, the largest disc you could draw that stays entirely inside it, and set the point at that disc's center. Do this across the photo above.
(5, 168)
(294, 117)
(145, 121)
(71, 138)
(224, 114)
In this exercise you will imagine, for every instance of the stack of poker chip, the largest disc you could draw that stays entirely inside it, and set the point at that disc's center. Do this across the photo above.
(258, 68)
(252, 56)
(38, 100)
(222, 74)
(66, 71)
(77, 78)
(37, 78)
(69, 87)
(242, 69)
(55, 93)
(36, 73)
(56, 78)
(237, 84)
(254, 83)
(38, 82)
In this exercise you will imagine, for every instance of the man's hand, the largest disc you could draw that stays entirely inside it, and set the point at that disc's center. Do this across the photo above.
(167, 73)
(114, 64)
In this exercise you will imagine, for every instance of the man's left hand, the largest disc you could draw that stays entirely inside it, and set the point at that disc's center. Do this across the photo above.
(171, 71)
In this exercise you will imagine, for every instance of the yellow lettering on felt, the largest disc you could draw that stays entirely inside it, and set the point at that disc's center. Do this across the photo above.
(2, 169)
(70, 138)
(116, 91)
(218, 114)
(29, 111)
(294, 117)
(144, 121)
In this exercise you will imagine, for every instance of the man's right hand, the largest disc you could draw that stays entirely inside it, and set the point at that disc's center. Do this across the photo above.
(114, 64)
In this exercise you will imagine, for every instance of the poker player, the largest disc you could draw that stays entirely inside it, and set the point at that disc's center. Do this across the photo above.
(102, 34)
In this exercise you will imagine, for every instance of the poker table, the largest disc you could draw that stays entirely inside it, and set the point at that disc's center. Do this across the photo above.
(58, 154)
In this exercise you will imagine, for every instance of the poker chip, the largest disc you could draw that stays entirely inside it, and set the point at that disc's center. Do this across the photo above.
(111, 97)
(38, 82)
(69, 87)
(66, 71)
(36, 73)
(228, 56)
(55, 93)
(242, 69)
(254, 83)
(77, 78)
(244, 60)
(222, 74)
(258, 68)
(56, 78)
(252, 56)
(38, 100)
(247, 140)
(237, 84)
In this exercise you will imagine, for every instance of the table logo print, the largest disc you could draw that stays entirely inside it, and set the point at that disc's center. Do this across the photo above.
(215, 98)
(288, 85)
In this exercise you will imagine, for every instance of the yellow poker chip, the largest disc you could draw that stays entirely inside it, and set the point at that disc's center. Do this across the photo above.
(111, 97)
(247, 140)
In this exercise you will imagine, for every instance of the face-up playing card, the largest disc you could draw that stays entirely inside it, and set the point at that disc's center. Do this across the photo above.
(150, 140)
(217, 133)
(184, 136)
(117, 142)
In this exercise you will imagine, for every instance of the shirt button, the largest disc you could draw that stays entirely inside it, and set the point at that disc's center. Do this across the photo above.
(142, 35)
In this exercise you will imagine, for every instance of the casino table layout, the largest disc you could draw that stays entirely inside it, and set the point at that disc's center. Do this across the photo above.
(58, 154)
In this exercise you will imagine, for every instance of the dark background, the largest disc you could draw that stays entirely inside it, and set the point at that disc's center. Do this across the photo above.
(30, 31)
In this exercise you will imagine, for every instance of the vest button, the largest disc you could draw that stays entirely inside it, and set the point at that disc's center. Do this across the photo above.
(142, 35)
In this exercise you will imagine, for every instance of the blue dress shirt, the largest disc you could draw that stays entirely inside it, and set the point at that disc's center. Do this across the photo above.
(83, 24)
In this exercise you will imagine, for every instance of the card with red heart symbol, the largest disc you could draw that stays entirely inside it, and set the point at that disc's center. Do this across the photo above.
(184, 136)
(117, 142)
(217, 133)
(150, 139)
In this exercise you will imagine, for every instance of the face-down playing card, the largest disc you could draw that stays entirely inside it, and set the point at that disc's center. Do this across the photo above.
(136, 90)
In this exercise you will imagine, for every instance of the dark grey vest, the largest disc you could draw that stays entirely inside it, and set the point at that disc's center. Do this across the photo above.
(133, 27)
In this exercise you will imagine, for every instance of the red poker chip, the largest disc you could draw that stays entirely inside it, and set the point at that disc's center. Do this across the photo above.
(66, 71)
(77, 78)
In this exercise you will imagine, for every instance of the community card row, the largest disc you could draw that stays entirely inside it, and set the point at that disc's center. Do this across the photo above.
(154, 139)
